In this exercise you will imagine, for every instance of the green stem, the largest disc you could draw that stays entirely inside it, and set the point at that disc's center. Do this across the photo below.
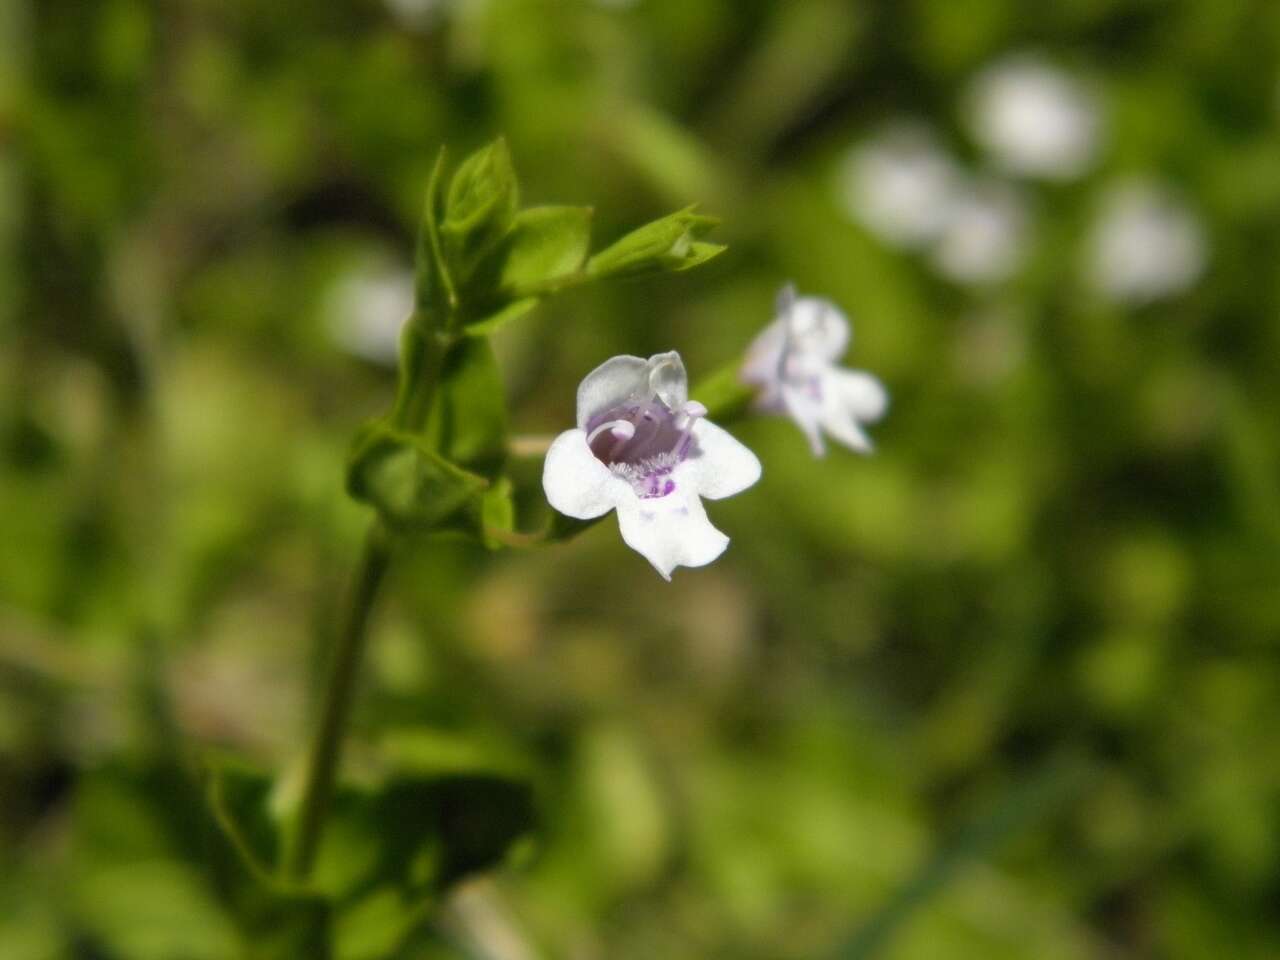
(326, 748)
(424, 357)
(725, 396)
(421, 375)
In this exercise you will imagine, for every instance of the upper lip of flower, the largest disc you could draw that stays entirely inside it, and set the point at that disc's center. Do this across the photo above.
(642, 447)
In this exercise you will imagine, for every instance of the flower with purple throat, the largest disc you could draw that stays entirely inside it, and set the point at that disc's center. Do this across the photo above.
(792, 363)
(643, 448)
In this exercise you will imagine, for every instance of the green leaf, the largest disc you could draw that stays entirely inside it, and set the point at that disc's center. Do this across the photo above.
(489, 321)
(444, 806)
(433, 289)
(546, 244)
(671, 243)
(408, 483)
(376, 925)
(480, 207)
(251, 790)
(280, 919)
(468, 423)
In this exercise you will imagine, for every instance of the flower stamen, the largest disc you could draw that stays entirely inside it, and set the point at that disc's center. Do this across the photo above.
(624, 430)
(684, 421)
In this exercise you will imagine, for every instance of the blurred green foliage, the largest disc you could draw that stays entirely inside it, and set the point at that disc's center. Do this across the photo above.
(1009, 688)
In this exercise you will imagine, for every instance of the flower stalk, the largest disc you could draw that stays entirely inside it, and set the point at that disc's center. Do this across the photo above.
(424, 356)
(326, 748)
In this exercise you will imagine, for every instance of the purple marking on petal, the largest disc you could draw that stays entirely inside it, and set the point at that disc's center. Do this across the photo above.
(662, 439)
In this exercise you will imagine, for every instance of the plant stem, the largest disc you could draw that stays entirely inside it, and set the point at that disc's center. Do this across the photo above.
(326, 748)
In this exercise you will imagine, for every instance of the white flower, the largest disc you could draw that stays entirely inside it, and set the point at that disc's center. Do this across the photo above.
(368, 307)
(899, 185)
(985, 234)
(1036, 119)
(418, 14)
(643, 448)
(1146, 245)
(793, 362)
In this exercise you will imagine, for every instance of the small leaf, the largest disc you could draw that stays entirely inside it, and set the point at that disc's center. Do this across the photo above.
(497, 514)
(444, 806)
(280, 918)
(433, 289)
(671, 243)
(480, 207)
(234, 830)
(373, 927)
(408, 483)
(546, 244)
(699, 252)
(488, 322)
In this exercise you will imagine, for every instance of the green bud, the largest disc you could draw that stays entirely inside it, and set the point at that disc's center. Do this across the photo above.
(487, 321)
(671, 243)
(481, 206)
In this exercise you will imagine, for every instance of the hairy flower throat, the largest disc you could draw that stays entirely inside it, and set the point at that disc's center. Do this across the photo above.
(644, 442)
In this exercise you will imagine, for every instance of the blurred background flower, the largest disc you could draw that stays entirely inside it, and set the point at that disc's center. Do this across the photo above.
(1146, 244)
(1034, 119)
(899, 184)
(367, 309)
(986, 234)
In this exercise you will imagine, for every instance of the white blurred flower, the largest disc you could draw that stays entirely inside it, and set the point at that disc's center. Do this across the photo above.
(367, 308)
(793, 362)
(642, 448)
(1034, 118)
(899, 184)
(985, 234)
(417, 14)
(1146, 244)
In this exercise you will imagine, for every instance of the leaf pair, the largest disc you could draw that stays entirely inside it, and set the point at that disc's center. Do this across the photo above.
(494, 262)
(446, 475)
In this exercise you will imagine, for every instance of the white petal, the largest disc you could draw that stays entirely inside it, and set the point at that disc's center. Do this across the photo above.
(851, 396)
(818, 328)
(667, 378)
(807, 414)
(718, 465)
(612, 384)
(763, 362)
(576, 483)
(860, 393)
(671, 531)
(846, 429)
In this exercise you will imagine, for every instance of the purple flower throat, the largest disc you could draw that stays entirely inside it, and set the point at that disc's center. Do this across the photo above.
(643, 442)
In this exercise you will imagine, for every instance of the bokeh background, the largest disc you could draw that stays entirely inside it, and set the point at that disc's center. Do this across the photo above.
(1006, 688)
